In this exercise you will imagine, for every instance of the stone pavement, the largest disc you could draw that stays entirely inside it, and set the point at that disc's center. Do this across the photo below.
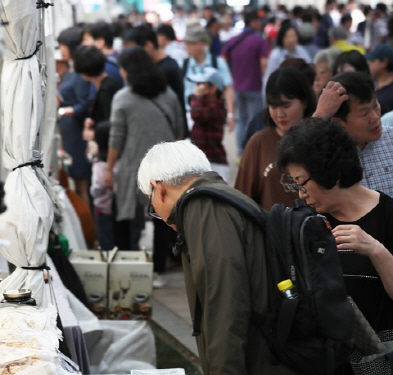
(170, 307)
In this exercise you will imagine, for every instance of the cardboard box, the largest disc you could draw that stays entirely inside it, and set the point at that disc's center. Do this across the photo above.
(118, 284)
(92, 269)
(130, 285)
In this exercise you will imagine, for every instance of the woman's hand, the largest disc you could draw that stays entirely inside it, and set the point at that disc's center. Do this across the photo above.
(108, 181)
(354, 238)
(333, 95)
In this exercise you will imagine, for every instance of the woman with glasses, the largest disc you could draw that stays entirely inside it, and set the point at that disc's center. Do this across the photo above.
(290, 99)
(323, 163)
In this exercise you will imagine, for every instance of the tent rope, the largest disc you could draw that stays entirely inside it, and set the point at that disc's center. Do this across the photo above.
(35, 163)
(37, 48)
(42, 4)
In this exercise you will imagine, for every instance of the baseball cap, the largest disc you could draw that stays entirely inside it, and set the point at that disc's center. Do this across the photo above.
(381, 51)
(196, 33)
(210, 75)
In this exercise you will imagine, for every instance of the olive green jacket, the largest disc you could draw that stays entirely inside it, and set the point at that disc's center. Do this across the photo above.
(227, 270)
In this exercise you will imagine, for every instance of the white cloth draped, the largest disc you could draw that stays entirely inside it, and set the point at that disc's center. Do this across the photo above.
(28, 219)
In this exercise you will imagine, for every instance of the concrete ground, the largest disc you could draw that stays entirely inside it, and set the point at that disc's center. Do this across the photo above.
(170, 308)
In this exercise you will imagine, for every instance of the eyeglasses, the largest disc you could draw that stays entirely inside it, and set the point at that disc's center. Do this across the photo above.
(299, 187)
(150, 209)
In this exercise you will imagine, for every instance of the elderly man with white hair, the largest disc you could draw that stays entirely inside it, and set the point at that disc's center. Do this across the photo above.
(224, 262)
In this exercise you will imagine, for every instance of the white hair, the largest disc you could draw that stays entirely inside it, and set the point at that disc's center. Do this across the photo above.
(328, 55)
(172, 163)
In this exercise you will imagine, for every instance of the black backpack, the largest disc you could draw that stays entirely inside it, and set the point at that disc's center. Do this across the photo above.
(313, 333)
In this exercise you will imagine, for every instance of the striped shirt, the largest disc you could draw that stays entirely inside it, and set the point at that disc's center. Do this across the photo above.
(377, 162)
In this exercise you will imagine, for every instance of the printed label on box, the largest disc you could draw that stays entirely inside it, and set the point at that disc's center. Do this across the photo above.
(130, 286)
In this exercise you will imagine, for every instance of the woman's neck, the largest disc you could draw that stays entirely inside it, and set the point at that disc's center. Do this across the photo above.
(354, 202)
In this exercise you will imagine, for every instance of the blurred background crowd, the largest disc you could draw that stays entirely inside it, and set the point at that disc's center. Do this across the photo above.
(199, 72)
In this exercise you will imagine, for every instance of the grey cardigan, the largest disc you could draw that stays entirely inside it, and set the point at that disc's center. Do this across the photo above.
(136, 125)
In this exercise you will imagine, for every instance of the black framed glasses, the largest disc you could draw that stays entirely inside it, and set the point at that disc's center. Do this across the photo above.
(150, 209)
(299, 187)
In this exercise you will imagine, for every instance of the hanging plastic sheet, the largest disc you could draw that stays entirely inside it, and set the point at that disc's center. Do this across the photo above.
(28, 219)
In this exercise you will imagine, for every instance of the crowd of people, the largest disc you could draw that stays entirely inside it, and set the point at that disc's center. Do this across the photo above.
(258, 72)
(310, 97)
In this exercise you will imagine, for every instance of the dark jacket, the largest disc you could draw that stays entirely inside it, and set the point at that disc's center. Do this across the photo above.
(227, 270)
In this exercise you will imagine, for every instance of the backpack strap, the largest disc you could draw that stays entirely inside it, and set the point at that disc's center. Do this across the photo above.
(249, 210)
(214, 61)
(186, 62)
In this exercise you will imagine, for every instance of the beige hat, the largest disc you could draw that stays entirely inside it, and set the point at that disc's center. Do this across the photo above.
(196, 33)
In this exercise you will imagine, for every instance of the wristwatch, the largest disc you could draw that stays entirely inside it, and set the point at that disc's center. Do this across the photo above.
(61, 112)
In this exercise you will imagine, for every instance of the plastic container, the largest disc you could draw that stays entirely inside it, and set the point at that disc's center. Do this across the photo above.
(288, 290)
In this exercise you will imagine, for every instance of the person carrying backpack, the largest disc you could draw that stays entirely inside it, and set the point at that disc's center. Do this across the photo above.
(224, 267)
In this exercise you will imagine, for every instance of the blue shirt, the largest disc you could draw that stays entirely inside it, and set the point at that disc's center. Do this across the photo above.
(195, 68)
(377, 162)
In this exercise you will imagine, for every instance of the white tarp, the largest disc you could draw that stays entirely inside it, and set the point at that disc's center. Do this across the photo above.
(28, 219)
(48, 76)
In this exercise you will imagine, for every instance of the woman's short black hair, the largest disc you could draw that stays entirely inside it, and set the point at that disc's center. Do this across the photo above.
(144, 77)
(71, 37)
(89, 60)
(353, 58)
(285, 26)
(293, 84)
(325, 150)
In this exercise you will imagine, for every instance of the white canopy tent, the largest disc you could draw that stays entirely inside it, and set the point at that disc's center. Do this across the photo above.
(28, 219)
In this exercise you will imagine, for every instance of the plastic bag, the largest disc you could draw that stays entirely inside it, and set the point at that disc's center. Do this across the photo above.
(27, 318)
(44, 340)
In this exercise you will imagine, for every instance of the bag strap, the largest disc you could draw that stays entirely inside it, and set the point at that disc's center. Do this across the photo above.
(168, 119)
(186, 62)
(214, 61)
(235, 44)
(249, 210)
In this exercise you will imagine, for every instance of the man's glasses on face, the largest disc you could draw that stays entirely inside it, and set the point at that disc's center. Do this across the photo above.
(299, 187)
(150, 209)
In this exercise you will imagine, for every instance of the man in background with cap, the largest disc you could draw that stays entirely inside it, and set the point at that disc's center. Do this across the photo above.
(196, 41)
(380, 61)
(246, 55)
